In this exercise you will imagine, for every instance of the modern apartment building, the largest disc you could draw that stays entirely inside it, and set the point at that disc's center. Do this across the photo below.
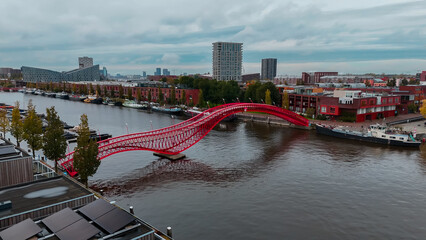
(31, 74)
(227, 61)
(85, 62)
(269, 68)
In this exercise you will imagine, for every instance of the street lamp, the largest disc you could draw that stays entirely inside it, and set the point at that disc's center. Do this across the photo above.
(251, 100)
(238, 100)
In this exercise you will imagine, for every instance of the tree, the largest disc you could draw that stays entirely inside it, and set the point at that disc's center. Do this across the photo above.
(17, 126)
(412, 108)
(201, 102)
(310, 112)
(423, 108)
(367, 83)
(268, 97)
(120, 91)
(98, 90)
(173, 96)
(112, 94)
(404, 82)
(54, 142)
(129, 93)
(86, 161)
(4, 122)
(33, 129)
(286, 101)
(160, 96)
(391, 83)
(183, 97)
(105, 92)
(149, 95)
(139, 95)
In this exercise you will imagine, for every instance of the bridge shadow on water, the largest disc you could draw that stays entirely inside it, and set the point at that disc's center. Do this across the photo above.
(161, 172)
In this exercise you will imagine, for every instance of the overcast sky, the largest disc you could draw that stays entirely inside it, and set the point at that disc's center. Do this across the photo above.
(131, 36)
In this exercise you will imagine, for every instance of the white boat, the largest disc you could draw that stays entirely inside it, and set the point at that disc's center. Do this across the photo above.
(133, 104)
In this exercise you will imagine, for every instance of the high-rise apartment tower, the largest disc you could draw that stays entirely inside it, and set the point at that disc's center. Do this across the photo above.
(227, 61)
(269, 68)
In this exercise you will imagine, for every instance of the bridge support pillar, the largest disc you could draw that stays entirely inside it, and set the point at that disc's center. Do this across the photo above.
(169, 156)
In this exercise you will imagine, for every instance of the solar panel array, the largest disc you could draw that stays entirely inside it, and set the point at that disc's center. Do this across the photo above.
(108, 217)
(68, 225)
(22, 230)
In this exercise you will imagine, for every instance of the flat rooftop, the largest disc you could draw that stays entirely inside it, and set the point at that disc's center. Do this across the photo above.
(40, 194)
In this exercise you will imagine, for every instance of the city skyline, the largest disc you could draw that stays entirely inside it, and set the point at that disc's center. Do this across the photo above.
(380, 36)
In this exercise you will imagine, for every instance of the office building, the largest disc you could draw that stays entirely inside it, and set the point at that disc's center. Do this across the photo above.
(227, 61)
(144, 74)
(166, 72)
(269, 68)
(85, 62)
(157, 72)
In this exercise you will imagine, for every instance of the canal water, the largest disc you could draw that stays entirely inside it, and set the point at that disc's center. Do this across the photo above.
(247, 180)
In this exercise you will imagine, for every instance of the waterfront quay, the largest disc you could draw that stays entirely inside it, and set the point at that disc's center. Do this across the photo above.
(251, 180)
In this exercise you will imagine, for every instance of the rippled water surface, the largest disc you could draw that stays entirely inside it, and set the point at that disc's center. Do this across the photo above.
(254, 181)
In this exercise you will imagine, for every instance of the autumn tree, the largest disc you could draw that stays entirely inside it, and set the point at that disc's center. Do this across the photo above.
(54, 142)
(120, 91)
(139, 95)
(33, 129)
(98, 90)
(268, 97)
(16, 126)
(201, 102)
(423, 108)
(173, 95)
(285, 102)
(86, 161)
(160, 96)
(112, 94)
(129, 93)
(183, 97)
(4, 122)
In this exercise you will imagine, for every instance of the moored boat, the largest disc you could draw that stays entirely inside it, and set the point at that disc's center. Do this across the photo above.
(133, 104)
(172, 110)
(375, 134)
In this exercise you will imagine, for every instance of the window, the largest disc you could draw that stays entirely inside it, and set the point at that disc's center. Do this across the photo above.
(363, 102)
(332, 110)
(384, 101)
(396, 99)
(371, 102)
(390, 100)
(323, 109)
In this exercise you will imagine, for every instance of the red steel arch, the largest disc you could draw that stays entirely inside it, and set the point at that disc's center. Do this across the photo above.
(179, 137)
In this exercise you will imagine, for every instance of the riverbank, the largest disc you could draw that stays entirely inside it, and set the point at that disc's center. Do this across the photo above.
(408, 126)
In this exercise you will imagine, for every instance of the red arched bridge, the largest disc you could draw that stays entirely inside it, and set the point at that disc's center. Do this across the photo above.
(179, 137)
